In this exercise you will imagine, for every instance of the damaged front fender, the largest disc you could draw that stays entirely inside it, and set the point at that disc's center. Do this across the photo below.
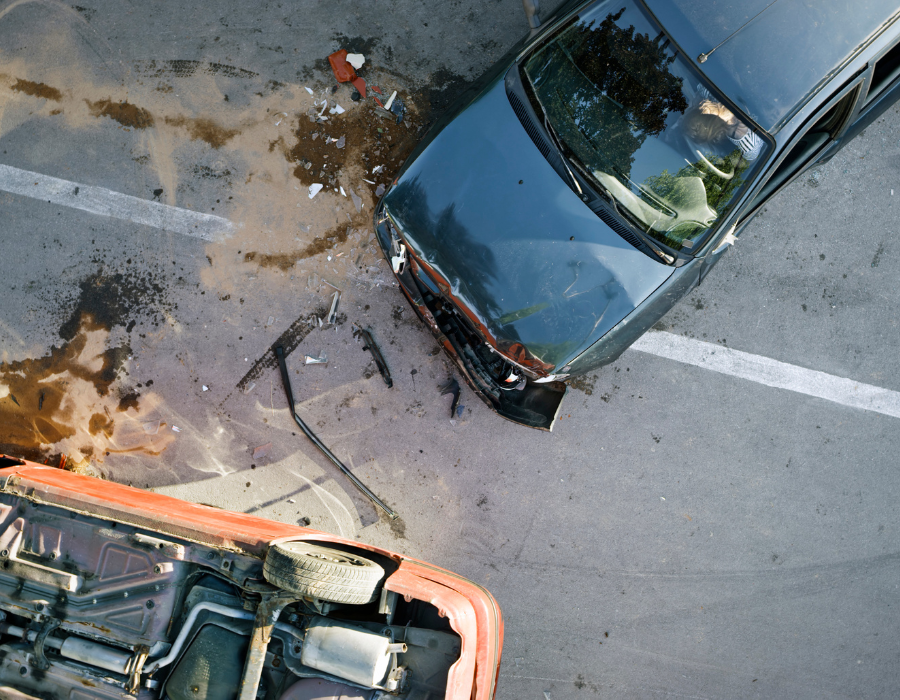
(517, 389)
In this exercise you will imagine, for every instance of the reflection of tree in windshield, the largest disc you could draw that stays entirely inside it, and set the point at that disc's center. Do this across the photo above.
(607, 88)
(631, 69)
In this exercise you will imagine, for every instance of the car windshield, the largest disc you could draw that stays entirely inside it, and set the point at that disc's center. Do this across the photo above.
(640, 124)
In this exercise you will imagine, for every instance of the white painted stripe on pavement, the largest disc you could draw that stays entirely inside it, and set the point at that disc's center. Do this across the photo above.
(98, 200)
(764, 370)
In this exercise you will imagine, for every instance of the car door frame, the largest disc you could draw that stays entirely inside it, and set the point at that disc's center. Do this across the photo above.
(749, 207)
(869, 110)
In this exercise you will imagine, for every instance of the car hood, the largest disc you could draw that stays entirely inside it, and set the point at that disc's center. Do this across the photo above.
(485, 211)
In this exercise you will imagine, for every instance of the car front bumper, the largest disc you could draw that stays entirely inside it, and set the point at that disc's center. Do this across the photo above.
(530, 401)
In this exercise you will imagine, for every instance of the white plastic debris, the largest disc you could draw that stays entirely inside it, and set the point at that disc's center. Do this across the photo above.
(337, 109)
(387, 105)
(377, 169)
(324, 104)
(176, 428)
(662, 498)
(291, 500)
(205, 388)
(356, 60)
(342, 191)
(369, 181)
(310, 360)
(341, 142)
(280, 117)
(309, 90)
(314, 189)
(332, 315)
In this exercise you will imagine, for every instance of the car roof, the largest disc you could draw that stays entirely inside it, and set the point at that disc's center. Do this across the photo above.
(771, 66)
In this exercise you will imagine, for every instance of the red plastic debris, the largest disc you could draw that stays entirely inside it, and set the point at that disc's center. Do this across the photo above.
(360, 85)
(377, 101)
(377, 89)
(342, 70)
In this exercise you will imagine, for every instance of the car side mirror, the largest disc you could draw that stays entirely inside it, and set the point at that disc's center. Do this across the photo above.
(532, 8)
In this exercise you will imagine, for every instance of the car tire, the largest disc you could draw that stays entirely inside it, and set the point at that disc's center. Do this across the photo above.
(320, 572)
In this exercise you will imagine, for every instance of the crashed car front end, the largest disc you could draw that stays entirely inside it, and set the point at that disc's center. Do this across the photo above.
(111, 592)
(517, 385)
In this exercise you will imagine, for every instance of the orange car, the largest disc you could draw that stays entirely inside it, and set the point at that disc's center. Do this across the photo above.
(107, 591)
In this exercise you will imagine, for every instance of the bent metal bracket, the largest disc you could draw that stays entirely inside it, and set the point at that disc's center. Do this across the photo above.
(286, 380)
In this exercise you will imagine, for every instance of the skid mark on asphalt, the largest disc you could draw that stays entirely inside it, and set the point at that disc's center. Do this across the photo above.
(764, 370)
(104, 202)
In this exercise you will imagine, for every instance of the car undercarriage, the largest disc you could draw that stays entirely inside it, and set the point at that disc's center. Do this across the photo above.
(97, 608)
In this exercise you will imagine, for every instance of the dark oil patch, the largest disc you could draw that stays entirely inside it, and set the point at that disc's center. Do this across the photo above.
(204, 129)
(585, 383)
(129, 400)
(101, 423)
(125, 113)
(42, 384)
(290, 340)
(37, 90)
(398, 527)
(365, 45)
(206, 173)
(113, 300)
(85, 12)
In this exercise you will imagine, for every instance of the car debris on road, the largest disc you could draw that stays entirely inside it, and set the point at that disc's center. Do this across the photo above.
(369, 344)
(286, 381)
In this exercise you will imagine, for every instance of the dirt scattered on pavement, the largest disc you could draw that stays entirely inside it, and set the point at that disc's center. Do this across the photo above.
(585, 383)
(398, 527)
(37, 90)
(370, 141)
(204, 129)
(125, 113)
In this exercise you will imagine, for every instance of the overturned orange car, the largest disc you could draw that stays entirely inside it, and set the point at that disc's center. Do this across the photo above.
(108, 591)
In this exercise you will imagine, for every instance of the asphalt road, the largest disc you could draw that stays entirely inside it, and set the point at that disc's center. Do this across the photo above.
(681, 533)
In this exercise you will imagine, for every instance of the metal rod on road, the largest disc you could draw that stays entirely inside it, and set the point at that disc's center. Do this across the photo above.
(286, 380)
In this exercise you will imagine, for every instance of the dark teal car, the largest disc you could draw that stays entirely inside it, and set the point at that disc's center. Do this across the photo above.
(593, 177)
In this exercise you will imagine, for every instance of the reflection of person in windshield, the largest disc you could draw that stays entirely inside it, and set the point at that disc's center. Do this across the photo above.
(710, 122)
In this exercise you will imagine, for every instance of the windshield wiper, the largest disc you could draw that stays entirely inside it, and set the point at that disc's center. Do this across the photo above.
(559, 149)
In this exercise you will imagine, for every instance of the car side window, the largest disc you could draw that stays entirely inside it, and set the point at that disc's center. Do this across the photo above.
(885, 72)
(809, 146)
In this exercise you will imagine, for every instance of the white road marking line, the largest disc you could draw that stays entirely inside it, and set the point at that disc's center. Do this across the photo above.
(98, 200)
(764, 370)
